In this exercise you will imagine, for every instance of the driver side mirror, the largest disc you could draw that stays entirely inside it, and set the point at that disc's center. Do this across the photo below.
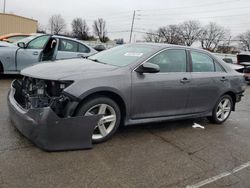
(148, 68)
(21, 45)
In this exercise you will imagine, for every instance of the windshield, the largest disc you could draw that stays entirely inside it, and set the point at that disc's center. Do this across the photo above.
(122, 55)
(27, 39)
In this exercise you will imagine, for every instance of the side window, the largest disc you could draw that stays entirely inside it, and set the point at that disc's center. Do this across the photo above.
(83, 49)
(202, 62)
(173, 60)
(38, 43)
(218, 68)
(67, 45)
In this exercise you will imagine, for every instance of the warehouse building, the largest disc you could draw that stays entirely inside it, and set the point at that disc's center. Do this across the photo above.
(10, 23)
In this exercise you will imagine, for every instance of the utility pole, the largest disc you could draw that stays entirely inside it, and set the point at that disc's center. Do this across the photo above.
(4, 5)
(132, 27)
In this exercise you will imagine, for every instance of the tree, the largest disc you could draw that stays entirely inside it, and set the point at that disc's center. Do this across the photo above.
(80, 29)
(57, 24)
(212, 35)
(99, 28)
(170, 34)
(190, 31)
(40, 28)
(152, 36)
(244, 39)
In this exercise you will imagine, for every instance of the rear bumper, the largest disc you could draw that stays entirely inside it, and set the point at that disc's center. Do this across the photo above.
(50, 132)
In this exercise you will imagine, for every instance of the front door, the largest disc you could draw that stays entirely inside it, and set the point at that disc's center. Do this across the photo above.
(31, 54)
(164, 93)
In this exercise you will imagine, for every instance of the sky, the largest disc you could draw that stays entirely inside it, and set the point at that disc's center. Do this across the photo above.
(150, 14)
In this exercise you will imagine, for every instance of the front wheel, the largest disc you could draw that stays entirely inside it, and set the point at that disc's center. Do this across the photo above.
(110, 121)
(222, 110)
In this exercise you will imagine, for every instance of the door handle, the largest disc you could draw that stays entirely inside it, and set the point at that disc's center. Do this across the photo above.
(185, 80)
(35, 53)
(223, 79)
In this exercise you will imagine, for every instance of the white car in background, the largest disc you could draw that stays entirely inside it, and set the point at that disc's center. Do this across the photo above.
(39, 48)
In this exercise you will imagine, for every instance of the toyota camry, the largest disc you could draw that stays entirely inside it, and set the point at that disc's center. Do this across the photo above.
(129, 84)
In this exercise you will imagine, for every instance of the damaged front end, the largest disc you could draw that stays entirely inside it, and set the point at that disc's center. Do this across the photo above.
(42, 111)
(37, 93)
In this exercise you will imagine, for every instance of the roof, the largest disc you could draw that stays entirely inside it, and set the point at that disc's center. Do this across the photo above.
(166, 45)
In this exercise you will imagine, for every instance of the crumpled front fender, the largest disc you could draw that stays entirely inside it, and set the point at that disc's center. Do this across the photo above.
(50, 132)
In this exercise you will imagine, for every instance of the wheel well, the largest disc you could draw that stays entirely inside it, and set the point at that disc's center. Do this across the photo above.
(107, 94)
(233, 95)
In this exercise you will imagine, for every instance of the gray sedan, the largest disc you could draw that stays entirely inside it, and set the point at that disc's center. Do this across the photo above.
(37, 48)
(129, 84)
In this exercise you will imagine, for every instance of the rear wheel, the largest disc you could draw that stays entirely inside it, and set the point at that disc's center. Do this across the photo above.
(222, 110)
(110, 121)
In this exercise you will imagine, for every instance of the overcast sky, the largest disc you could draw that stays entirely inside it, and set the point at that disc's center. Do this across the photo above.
(150, 14)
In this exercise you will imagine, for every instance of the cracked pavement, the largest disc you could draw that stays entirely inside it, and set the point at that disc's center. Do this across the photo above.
(169, 154)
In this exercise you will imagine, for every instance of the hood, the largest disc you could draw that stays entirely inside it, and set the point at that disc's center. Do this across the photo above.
(66, 69)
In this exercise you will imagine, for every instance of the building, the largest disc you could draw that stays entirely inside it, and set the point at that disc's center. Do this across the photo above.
(10, 23)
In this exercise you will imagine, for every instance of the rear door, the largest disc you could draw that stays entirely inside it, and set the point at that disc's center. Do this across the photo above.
(164, 93)
(208, 81)
(31, 54)
(83, 50)
(71, 49)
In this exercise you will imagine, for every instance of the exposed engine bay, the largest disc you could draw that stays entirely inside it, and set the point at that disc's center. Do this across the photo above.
(39, 93)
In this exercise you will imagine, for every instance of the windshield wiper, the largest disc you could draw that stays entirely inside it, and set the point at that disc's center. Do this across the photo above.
(97, 61)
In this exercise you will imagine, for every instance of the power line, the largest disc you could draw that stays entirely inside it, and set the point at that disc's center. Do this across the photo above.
(122, 31)
(193, 12)
(187, 7)
(224, 16)
(199, 38)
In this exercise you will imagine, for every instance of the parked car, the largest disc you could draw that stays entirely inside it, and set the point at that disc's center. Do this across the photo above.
(14, 37)
(38, 48)
(245, 70)
(244, 60)
(100, 47)
(5, 44)
(128, 84)
(228, 60)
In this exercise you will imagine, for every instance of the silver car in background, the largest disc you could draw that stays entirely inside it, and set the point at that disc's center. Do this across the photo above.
(38, 48)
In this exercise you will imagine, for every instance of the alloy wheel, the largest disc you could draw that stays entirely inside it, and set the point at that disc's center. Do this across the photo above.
(106, 124)
(223, 109)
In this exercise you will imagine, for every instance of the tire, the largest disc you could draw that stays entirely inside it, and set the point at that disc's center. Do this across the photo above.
(106, 127)
(221, 111)
(1, 68)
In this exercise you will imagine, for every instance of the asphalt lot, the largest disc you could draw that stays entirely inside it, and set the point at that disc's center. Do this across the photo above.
(170, 154)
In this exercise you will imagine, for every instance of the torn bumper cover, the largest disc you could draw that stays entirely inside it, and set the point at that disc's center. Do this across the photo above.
(49, 131)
